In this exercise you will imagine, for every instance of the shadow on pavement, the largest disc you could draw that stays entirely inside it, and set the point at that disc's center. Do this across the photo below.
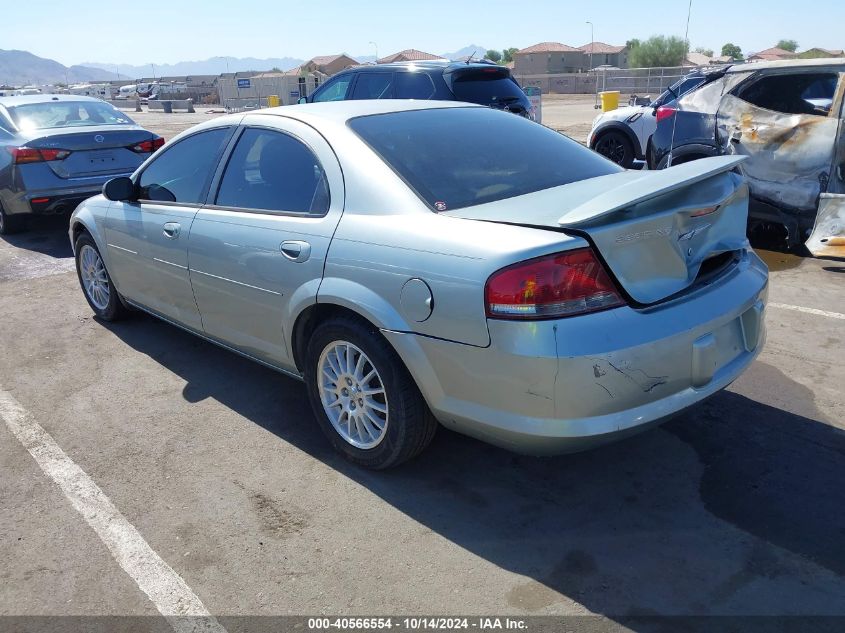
(687, 519)
(46, 235)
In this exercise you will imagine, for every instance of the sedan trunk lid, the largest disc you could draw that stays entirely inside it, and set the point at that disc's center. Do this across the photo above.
(656, 231)
(94, 150)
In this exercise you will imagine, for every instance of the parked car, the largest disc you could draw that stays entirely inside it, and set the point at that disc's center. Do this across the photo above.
(413, 268)
(786, 118)
(623, 134)
(473, 82)
(57, 150)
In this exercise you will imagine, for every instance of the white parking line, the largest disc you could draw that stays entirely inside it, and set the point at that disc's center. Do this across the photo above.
(824, 313)
(164, 587)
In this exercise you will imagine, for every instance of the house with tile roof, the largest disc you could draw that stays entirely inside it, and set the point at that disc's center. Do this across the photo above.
(549, 57)
(408, 55)
(774, 54)
(605, 55)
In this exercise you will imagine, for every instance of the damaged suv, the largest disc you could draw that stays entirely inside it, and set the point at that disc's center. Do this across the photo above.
(786, 117)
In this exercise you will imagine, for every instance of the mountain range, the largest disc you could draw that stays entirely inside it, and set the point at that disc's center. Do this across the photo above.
(19, 68)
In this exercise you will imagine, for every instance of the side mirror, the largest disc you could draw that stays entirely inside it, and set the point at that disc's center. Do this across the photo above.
(303, 100)
(119, 189)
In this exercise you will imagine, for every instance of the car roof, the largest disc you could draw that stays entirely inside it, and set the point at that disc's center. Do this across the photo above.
(43, 98)
(335, 112)
(426, 64)
(787, 63)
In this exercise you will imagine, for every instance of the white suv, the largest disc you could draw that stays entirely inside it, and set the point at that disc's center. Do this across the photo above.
(622, 135)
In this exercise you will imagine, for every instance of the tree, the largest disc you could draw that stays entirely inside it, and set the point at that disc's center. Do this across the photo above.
(507, 55)
(788, 45)
(659, 50)
(733, 51)
(631, 44)
(704, 51)
(493, 56)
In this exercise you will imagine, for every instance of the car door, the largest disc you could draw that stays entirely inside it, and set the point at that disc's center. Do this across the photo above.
(257, 250)
(828, 236)
(148, 238)
(783, 121)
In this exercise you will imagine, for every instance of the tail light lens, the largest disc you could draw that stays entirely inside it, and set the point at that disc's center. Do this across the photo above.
(24, 155)
(554, 286)
(665, 112)
(148, 147)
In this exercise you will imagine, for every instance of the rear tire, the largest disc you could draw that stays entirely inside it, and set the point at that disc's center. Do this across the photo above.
(378, 422)
(616, 147)
(11, 223)
(95, 281)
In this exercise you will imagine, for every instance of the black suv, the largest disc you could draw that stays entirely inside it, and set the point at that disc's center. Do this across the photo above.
(476, 82)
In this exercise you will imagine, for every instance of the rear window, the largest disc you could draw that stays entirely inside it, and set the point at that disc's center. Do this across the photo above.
(37, 116)
(486, 86)
(459, 157)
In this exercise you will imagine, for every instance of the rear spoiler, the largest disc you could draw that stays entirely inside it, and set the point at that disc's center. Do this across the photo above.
(649, 185)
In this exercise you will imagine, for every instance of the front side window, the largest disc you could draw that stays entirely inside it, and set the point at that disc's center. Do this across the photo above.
(273, 171)
(51, 114)
(334, 90)
(373, 86)
(183, 171)
(800, 93)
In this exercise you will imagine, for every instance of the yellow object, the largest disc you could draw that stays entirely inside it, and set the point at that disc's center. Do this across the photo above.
(273, 101)
(609, 100)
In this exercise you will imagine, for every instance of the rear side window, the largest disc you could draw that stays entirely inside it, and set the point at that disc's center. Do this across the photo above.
(273, 171)
(487, 86)
(182, 172)
(413, 86)
(373, 86)
(459, 157)
(334, 90)
(800, 93)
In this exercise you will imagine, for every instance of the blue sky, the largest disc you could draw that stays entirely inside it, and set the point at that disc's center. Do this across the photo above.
(182, 30)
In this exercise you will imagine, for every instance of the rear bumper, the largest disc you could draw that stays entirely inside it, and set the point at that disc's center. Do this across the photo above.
(565, 385)
(53, 200)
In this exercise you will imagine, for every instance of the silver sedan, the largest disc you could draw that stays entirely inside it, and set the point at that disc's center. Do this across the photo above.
(417, 263)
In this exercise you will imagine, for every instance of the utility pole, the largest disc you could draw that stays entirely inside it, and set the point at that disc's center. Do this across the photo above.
(376, 47)
(592, 43)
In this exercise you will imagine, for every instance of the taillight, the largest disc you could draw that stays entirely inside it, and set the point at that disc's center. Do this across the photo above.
(665, 112)
(560, 285)
(23, 155)
(148, 146)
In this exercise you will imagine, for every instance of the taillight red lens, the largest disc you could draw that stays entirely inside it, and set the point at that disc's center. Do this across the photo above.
(148, 146)
(560, 285)
(23, 155)
(665, 112)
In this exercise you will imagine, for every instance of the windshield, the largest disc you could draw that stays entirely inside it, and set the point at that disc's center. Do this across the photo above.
(51, 114)
(486, 86)
(459, 157)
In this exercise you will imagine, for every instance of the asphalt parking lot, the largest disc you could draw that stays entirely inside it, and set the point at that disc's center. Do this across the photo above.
(736, 508)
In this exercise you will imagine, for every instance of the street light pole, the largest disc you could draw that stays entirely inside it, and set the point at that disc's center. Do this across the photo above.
(592, 43)
(376, 47)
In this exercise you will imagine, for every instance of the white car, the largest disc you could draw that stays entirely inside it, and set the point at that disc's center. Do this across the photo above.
(622, 134)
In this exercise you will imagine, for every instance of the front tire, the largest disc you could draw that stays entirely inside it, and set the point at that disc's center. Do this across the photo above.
(617, 147)
(363, 397)
(95, 281)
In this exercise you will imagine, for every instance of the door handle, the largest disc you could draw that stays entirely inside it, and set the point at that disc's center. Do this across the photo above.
(296, 250)
(171, 230)
(735, 136)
